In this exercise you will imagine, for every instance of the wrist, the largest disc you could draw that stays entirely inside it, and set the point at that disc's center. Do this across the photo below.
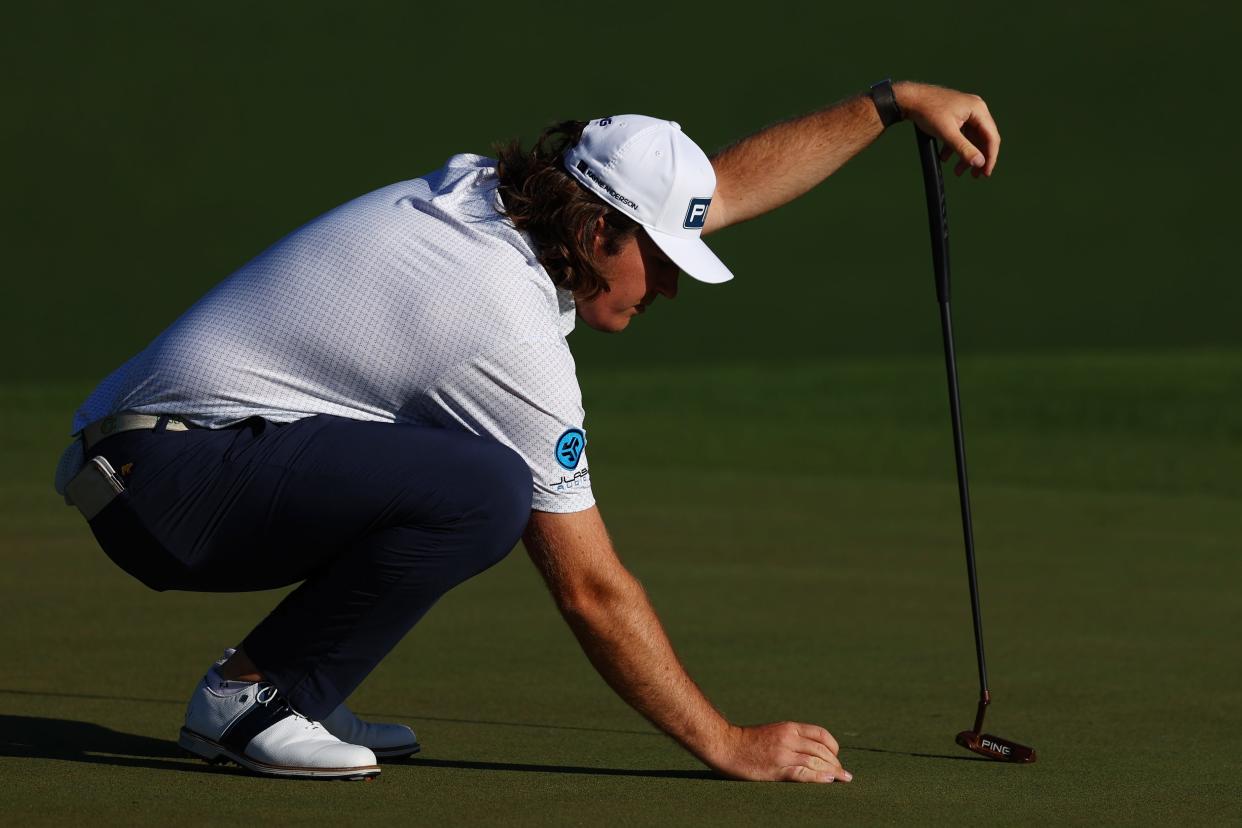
(887, 107)
(710, 744)
(906, 95)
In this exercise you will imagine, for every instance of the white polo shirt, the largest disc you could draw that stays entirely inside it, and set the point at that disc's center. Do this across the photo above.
(417, 303)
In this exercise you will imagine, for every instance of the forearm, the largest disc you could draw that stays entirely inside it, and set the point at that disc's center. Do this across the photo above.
(625, 641)
(618, 629)
(777, 164)
(609, 612)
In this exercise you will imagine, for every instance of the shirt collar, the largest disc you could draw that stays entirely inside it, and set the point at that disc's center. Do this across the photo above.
(568, 311)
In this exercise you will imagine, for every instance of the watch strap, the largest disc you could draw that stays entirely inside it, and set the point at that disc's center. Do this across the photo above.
(886, 103)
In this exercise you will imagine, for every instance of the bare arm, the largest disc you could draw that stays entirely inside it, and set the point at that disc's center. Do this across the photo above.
(777, 164)
(608, 611)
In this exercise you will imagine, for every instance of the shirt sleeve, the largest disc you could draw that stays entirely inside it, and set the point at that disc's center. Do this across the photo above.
(525, 396)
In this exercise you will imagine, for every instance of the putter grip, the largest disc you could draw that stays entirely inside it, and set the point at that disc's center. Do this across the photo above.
(937, 211)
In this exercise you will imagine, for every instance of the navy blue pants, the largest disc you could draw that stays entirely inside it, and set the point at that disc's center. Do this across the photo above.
(376, 521)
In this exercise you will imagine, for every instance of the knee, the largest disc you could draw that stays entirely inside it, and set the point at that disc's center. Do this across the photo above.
(471, 518)
(480, 497)
(486, 495)
(506, 495)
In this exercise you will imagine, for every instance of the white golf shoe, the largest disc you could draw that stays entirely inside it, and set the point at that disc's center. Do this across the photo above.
(254, 726)
(388, 741)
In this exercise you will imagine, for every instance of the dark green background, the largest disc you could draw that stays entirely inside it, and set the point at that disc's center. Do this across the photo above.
(153, 149)
(773, 456)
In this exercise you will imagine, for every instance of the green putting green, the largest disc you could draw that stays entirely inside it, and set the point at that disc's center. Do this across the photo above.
(796, 526)
(772, 456)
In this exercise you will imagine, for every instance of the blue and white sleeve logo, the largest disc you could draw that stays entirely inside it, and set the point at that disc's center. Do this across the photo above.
(696, 213)
(569, 448)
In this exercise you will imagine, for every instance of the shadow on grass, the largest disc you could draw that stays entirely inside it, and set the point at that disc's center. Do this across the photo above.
(170, 750)
(916, 755)
(415, 717)
(570, 769)
(31, 737)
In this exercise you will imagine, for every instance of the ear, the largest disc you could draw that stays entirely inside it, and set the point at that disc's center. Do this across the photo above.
(597, 246)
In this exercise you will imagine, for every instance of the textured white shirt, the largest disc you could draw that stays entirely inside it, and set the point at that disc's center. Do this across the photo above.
(417, 303)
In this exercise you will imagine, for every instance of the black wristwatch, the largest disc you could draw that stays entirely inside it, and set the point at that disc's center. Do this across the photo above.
(886, 103)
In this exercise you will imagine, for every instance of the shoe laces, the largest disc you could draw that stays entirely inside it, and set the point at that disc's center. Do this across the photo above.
(268, 693)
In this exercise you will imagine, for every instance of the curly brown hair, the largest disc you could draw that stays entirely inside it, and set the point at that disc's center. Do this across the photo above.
(560, 214)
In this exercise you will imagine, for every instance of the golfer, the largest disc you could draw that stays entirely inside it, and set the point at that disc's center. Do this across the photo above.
(380, 404)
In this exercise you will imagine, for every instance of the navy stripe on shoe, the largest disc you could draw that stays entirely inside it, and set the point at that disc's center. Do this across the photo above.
(254, 721)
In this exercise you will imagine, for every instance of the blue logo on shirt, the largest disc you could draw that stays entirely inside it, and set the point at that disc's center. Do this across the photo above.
(696, 213)
(569, 448)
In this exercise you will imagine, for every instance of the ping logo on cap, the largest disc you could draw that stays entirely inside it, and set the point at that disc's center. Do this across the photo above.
(696, 213)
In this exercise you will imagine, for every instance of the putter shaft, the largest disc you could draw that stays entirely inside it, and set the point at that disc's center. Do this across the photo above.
(963, 490)
(938, 225)
(984, 744)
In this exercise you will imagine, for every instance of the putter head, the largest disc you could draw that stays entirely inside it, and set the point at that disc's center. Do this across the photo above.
(994, 747)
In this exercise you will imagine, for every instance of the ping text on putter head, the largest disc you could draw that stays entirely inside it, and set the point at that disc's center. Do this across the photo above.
(994, 747)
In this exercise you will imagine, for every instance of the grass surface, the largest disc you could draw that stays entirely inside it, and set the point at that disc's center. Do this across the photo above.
(794, 517)
(796, 527)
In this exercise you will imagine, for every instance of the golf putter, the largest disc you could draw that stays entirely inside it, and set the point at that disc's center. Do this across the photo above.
(975, 740)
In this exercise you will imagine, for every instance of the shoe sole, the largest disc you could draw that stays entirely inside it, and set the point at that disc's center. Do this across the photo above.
(397, 752)
(215, 753)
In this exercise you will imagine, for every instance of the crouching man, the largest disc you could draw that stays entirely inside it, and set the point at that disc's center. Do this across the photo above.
(379, 405)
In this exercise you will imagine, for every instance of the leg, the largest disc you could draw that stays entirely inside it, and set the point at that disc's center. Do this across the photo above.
(239, 667)
(380, 520)
(459, 510)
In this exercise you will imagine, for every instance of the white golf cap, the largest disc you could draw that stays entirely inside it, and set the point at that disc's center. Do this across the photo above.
(650, 171)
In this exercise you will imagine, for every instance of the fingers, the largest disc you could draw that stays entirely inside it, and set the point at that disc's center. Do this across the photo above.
(829, 766)
(983, 131)
(970, 158)
(968, 152)
(820, 735)
(801, 773)
(817, 757)
(965, 127)
(814, 769)
(820, 750)
(810, 747)
(786, 751)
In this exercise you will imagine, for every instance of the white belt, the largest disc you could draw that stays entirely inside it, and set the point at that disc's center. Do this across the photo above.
(117, 423)
(74, 456)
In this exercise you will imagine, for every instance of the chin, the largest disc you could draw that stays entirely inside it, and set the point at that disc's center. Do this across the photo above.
(614, 324)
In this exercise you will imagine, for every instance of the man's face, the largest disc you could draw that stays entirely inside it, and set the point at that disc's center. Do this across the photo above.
(636, 276)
